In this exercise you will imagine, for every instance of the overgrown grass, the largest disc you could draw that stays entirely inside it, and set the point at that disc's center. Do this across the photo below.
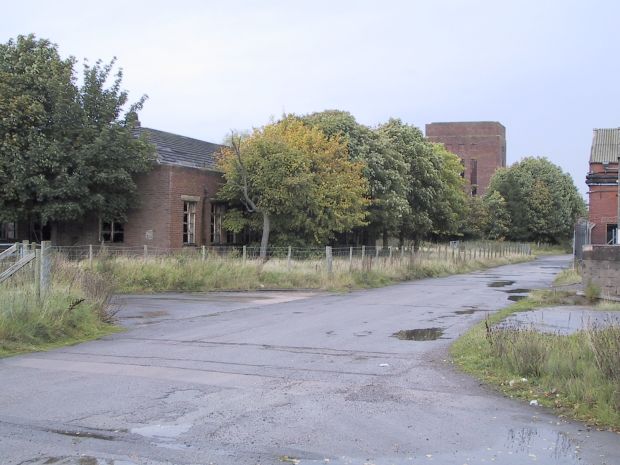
(131, 275)
(75, 309)
(551, 249)
(577, 375)
(567, 277)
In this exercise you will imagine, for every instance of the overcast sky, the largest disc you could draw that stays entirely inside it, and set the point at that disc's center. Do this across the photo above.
(547, 70)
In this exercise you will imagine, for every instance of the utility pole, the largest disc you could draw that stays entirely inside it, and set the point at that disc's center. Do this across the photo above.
(618, 220)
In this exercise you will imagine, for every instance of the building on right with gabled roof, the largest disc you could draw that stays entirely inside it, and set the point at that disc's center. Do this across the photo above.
(602, 181)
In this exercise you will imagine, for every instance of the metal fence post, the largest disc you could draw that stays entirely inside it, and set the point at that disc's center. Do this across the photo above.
(350, 258)
(90, 255)
(288, 258)
(363, 252)
(203, 253)
(46, 267)
(245, 253)
(146, 251)
(376, 252)
(329, 259)
(37, 272)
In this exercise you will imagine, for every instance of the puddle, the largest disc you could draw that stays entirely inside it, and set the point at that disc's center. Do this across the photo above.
(561, 320)
(420, 334)
(83, 434)
(470, 311)
(518, 291)
(501, 283)
(516, 298)
(161, 431)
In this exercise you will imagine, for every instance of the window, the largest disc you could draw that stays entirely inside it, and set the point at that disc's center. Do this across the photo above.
(611, 233)
(189, 222)
(111, 231)
(217, 215)
(7, 231)
(473, 176)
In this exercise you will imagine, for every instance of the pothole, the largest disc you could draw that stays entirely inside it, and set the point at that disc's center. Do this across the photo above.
(517, 291)
(516, 298)
(469, 311)
(500, 283)
(419, 334)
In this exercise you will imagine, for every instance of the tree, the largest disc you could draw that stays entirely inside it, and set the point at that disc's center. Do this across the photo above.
(542, 201)
(65, 150)
(435, 197)
(450, 203)
(384, 167)
(497, 224)
(296, 179)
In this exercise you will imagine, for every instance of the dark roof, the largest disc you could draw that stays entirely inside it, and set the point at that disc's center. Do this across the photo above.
(173, 149)
(605, 146)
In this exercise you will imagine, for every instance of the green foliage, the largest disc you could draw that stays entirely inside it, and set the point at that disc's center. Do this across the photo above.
(592, 292)
(75, 309)
(577, 374)
(385, 167)
(65, 150)
(497, 225)
(542, 201)
(415, 187)
(304, 182)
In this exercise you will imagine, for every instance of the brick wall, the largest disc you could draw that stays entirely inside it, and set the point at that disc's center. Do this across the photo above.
(157, 219)
(195, 183)
(601, 267)
(603, 199)
(484, 142)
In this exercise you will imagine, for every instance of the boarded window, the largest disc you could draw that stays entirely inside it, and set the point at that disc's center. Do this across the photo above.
(189, 222)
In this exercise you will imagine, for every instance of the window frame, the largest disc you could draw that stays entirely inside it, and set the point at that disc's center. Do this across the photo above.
(189, 222)
(116, 229)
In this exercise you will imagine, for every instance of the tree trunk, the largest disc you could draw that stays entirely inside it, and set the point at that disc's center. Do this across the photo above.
(385, 239)
(265, 239)
(401, 239)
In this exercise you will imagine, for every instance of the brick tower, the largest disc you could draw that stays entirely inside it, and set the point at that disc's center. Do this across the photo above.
(481, 146)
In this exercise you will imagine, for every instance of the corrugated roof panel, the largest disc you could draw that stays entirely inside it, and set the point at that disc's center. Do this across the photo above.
(605, 146)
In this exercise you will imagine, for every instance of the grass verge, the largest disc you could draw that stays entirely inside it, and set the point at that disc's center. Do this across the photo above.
(567, 277)
(577, 375)
(131, 275)
(75, 309)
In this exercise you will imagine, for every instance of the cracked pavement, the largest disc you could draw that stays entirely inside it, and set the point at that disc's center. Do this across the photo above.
(287, 377)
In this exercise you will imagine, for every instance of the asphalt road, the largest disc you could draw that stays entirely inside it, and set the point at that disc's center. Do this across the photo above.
(276, 378)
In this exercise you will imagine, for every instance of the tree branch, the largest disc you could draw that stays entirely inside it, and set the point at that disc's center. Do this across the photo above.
(247, 201)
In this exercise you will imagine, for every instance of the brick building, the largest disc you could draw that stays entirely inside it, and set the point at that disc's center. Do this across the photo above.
(481, 146)
(602, 181)
(175, 206)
